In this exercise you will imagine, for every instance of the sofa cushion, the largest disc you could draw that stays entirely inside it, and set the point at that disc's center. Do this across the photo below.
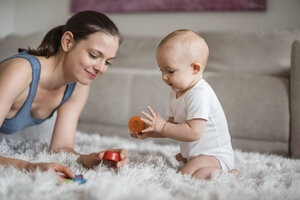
(137, 52)
(109, 99)
(263, 53)
(9, 45)
(149, 89)
(123, 93)
(256, 107)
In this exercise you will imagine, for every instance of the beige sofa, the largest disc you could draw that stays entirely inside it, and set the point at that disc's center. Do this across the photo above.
(256, 76)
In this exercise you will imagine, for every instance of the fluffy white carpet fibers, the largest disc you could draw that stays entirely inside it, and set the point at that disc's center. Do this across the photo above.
(151, 174)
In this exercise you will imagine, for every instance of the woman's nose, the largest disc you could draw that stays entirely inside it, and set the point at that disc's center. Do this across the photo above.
(100, 67)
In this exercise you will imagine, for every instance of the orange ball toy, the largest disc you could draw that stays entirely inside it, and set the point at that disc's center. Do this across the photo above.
(136, 124)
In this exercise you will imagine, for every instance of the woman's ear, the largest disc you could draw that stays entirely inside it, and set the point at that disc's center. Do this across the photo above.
(67, 41)
(196, 68)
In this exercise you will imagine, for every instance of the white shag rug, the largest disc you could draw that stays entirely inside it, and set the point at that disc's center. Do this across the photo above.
(151, 174)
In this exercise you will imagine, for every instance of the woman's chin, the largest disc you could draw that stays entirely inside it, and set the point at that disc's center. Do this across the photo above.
(85, 82)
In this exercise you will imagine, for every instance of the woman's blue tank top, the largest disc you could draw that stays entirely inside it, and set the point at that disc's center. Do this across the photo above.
(23, 118)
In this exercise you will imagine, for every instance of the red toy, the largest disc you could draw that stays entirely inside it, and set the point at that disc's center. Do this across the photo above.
(110, 155)
(110, 158)
(136, 124)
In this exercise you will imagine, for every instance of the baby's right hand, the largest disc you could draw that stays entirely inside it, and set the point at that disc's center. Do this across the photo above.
(140, 135)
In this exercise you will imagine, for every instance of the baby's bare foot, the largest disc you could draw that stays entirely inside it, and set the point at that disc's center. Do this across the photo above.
(179, 158)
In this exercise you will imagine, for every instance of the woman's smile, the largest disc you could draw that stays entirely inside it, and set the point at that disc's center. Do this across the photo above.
(91, 75)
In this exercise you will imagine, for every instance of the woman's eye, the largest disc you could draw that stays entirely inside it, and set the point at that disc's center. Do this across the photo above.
(171, 71)
(93, 55)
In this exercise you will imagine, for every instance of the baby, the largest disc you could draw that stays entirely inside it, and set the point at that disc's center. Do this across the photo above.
(196, 118)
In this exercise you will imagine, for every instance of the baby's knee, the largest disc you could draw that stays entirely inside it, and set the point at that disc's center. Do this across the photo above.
(205, 173)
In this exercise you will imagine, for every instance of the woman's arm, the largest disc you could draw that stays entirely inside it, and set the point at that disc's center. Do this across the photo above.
(20, 164)
(15, 78)
(65, 129)
(67, 119)
(28, 166)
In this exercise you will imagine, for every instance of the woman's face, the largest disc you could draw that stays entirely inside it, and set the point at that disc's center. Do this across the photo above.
(90, 58)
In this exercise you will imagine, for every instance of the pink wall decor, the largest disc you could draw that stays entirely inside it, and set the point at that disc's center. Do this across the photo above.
(127, 6)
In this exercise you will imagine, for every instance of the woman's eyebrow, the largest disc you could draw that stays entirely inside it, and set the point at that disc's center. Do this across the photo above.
(101, 54)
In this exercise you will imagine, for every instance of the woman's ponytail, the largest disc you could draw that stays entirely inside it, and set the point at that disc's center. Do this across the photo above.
(50, 44)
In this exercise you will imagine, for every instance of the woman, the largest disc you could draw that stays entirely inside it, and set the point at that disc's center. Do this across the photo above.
(57, 76)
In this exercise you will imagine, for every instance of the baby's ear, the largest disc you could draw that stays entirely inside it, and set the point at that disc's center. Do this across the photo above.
(196, 68)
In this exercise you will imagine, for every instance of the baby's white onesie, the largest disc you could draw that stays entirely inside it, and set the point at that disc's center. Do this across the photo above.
(201, 102)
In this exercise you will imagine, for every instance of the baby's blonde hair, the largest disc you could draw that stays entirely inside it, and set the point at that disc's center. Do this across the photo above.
(194, 45)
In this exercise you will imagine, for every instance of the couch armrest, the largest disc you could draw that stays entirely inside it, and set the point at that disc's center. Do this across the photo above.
(295, 100)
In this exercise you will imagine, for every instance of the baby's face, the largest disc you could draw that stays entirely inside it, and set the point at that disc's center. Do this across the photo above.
(176, 68)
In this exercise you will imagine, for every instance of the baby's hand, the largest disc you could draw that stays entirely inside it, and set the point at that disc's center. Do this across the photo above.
(154, 122)
(140, 135)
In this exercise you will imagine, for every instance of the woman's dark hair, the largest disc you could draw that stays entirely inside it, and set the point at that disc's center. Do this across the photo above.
(81, 25)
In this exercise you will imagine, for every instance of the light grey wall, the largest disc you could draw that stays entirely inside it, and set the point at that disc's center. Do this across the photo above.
(26, 16)
(7, 16)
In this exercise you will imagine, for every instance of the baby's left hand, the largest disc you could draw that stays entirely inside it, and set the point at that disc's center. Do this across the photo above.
(154, 121)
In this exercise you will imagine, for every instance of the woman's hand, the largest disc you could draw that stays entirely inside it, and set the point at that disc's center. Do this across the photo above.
(155, 123)
(50, 166)
(93, 159)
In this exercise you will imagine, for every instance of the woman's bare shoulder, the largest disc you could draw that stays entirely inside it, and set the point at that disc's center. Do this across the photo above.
(16, 72)
(16, 67)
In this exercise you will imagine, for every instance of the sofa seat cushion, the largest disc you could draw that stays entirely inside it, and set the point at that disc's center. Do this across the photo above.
(257, 107)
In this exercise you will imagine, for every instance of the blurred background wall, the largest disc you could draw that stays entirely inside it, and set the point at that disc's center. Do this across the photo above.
(27, 16)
